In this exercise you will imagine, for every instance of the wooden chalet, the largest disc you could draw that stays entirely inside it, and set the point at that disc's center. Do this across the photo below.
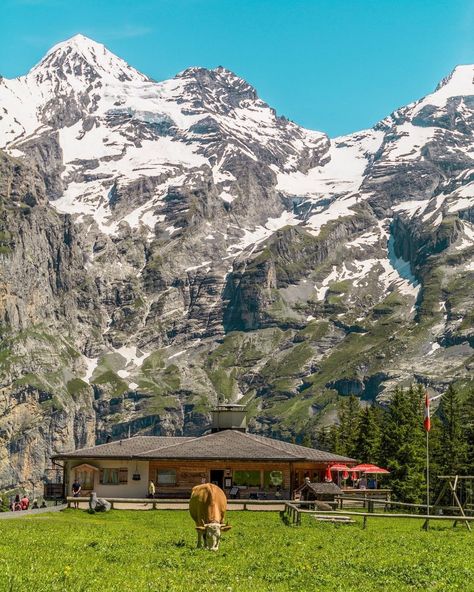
(243, 464)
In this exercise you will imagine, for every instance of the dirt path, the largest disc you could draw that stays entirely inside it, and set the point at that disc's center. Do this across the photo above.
(23, 513)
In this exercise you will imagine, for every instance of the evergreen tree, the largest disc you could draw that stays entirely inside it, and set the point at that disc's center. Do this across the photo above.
(369, 436)
(348, 429)
(468, 421)
(324, 439)
(403, 444)
(333, 437)
(452, 458)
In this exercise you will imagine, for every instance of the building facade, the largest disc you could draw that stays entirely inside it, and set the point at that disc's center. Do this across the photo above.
(241, 463)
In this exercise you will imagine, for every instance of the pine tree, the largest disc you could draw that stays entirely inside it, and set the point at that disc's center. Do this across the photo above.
(333, 437)
(453, 445)
(369, 436)
(468, 421)
(403, 444)
(348, 429)
(324, 439)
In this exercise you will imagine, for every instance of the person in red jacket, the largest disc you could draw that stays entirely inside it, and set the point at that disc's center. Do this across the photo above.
(25, 502)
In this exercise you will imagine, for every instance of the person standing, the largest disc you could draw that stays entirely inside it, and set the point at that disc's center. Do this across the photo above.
(76, 491)
(151, 490)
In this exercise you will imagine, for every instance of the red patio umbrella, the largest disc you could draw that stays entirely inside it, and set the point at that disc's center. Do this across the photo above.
(370, 469)
(339, 467)
(328, 476)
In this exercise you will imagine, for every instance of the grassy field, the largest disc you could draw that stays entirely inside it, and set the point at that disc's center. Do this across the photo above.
(125, 551)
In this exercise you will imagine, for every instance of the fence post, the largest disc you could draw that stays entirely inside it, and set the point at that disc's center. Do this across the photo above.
(365, 522)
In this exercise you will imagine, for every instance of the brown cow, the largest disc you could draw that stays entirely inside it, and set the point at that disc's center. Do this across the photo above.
(207, 506)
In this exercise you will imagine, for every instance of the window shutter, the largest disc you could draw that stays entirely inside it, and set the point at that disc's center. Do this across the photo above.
(101, 476)
(123, 475)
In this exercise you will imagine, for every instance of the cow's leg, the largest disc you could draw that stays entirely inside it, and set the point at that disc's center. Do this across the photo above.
(199, 542)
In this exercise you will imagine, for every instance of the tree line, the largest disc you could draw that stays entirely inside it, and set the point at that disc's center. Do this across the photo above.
(393, 436)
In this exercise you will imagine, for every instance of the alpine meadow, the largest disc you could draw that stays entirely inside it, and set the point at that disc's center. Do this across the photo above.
(236, 353)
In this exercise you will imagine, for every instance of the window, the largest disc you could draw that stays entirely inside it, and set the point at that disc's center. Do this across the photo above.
(166, 476)
(114, 476)
(272, 479)
(85, 478)
(247, 478)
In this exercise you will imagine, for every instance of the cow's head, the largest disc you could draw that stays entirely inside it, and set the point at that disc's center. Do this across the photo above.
(212, 534)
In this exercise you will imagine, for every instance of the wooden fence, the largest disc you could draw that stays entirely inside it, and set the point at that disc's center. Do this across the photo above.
(246, 504)
(371, 503)
(294, 510)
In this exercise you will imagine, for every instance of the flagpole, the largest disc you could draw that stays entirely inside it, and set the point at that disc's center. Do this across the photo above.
(427, 425)
(427, 476)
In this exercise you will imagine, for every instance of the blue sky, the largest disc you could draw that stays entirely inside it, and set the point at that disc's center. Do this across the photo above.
(331, 65)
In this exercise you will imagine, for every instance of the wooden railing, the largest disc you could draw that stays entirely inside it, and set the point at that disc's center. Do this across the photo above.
(371, 503)
(294, 510)
(245, 503)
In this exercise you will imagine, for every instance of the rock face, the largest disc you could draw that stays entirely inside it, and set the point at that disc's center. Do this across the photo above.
(167, 245)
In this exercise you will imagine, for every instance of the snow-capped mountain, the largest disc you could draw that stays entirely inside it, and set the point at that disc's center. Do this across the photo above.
(115, 126)
(166, 244)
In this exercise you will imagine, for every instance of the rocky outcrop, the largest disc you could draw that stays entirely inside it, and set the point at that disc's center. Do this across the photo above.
(169, 245)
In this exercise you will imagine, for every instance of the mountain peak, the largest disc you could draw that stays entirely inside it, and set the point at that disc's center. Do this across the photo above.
(83, 57)
(460, 81)
(79, 42)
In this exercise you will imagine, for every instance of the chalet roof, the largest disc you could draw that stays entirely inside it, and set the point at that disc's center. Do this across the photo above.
(128, 448)
(302, 451)
(223, 445)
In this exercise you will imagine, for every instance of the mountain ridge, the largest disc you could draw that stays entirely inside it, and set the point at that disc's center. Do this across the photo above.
(166, 245)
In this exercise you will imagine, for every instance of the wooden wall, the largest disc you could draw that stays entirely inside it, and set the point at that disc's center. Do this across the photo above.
(191, 473)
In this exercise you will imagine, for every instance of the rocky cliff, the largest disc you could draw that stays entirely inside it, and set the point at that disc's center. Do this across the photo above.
(167, 245)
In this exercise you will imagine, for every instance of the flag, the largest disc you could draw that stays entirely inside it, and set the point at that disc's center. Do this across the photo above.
(427, 420)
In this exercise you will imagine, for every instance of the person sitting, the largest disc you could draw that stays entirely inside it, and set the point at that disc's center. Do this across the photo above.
(35, 504)
(25, 502)
(17, 503)
(43, 504)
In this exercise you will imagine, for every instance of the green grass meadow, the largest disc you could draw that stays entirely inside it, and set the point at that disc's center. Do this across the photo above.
(135, 551)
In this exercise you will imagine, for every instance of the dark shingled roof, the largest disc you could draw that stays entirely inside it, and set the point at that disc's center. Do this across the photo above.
(225, 445)
(303, 451)
(124, 448)
(322, 488)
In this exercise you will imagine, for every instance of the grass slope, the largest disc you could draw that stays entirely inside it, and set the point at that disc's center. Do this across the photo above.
(126, 551)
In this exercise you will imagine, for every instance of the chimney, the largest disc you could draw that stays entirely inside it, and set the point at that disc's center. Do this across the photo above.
(229, 417)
